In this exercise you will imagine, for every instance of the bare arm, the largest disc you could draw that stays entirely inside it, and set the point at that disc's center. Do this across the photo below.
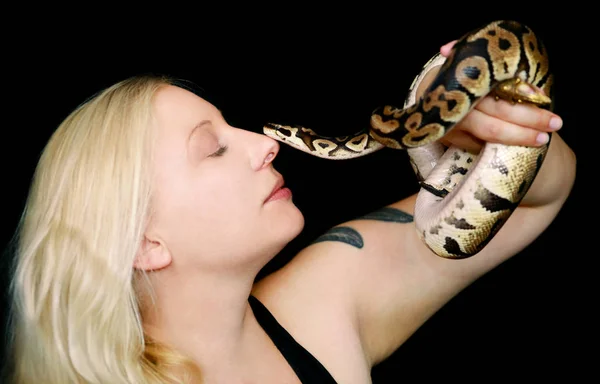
(402, 283)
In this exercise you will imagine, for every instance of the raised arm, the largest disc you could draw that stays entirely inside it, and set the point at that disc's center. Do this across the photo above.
(399, 282)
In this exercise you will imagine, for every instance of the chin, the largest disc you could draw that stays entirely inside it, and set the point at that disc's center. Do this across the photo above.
(288, 224)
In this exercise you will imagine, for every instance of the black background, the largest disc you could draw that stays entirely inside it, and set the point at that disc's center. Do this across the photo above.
(328, 71)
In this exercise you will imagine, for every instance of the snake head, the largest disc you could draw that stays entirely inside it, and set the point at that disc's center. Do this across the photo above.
(279, 132)
(517, 90)
(294, 136)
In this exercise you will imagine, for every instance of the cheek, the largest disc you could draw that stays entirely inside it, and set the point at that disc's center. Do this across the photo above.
(210, 203)
(225, 194)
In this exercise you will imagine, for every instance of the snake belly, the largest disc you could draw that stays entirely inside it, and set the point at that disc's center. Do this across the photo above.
(465, 198)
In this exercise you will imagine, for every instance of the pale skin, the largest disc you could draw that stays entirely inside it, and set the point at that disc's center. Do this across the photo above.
(212, 232)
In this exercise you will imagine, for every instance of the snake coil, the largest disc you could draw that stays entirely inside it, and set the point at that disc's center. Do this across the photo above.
(465, 198)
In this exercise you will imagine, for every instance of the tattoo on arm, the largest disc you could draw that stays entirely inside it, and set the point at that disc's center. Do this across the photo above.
(344, 235)
(388, 214)
(352, 237)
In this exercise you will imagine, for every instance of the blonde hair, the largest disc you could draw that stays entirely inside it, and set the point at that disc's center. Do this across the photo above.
(75, 308)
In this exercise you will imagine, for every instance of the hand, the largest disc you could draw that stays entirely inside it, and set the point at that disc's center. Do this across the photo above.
(501, 122)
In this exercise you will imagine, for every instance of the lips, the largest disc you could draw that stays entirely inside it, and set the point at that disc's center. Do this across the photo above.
(278, 185)
(278, 191)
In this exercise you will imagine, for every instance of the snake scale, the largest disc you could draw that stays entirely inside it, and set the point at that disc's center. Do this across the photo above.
(464, 198)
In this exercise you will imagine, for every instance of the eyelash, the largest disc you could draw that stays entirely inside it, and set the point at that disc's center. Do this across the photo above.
(219, 152)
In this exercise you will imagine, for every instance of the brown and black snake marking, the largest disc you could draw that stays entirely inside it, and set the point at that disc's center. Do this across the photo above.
(500, 57)
(465, 198)
(339, 148)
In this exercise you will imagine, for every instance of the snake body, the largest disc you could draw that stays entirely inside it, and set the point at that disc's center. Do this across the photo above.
(465, 198)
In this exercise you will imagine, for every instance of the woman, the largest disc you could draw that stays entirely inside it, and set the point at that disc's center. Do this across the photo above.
(149, 218)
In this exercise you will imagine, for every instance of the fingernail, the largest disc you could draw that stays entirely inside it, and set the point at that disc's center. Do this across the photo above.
(555, 123)
(542, 138)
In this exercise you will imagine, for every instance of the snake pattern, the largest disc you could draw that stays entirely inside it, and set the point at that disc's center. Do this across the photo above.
(465, 198)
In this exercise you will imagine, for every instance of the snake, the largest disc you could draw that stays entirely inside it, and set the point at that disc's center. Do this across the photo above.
(464, 197)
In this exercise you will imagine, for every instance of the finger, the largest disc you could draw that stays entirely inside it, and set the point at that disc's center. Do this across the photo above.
(498, 130)
(446, 48)
(521, 114)
(462, 140)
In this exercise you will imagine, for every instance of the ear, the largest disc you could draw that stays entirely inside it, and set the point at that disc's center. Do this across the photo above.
(152, 255)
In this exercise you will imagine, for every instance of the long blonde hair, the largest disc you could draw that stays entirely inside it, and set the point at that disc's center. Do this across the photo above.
(75, 311)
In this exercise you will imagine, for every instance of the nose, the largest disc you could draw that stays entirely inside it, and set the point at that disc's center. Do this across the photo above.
(263, 151)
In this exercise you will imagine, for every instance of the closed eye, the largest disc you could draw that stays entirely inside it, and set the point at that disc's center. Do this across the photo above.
(219, 152)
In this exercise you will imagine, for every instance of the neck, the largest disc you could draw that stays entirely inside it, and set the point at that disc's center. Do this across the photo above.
(204, 315)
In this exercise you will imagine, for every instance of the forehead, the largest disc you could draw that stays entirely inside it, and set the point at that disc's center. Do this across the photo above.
(177, 107)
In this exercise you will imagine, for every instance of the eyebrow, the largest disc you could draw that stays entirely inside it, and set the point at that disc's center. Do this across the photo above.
(204, 123)
(200, 125)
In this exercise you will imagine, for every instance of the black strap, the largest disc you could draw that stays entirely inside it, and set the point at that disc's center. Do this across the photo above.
(306, 366)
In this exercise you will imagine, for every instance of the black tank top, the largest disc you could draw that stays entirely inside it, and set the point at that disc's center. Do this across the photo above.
(306, 366)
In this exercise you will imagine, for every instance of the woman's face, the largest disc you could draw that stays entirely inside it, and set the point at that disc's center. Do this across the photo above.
(211, 205)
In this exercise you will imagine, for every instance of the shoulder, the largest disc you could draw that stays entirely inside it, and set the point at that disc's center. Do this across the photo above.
(315, 296)
(323, 273)
(309, 298)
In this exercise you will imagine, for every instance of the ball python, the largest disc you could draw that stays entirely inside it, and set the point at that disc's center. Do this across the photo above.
(464, 198)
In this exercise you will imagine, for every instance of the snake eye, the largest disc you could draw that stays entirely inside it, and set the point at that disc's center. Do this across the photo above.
(284, 132)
